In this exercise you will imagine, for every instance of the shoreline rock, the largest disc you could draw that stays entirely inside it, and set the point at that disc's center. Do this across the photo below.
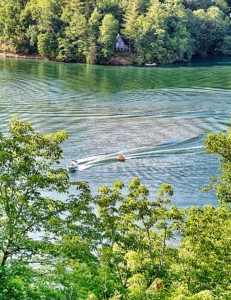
(123, 59)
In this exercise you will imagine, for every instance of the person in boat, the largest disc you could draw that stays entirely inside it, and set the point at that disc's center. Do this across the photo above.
(121, 158)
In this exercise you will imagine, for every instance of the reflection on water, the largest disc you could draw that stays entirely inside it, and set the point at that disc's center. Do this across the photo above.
(156, 117)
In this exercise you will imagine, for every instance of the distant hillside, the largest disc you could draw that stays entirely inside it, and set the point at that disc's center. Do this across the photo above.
(87, 31)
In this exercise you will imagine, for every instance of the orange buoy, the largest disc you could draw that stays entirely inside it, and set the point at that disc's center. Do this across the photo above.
(120, 158)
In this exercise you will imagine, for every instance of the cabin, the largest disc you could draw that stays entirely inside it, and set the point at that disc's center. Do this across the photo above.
(120, 44)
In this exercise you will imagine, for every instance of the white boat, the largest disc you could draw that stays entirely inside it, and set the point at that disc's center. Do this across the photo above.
(151, 65)
(73, 165)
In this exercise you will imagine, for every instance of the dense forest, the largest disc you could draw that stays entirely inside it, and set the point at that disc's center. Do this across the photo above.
(161, 31)
(118, 244)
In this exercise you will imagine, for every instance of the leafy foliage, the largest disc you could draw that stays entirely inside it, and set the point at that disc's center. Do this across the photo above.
(219, 144)
(26, 159)
(113, 245)
(85, 31)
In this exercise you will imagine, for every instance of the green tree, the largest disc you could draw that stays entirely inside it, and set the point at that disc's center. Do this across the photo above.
(134, 255)
(131, 24)
(172, 41)
(205, 4)
(94, 22)
(209, 29)
(226, 45)
(121, 251)
(12, 29)
(108, 32)
(27, 177)
(45, 14)
(109, 7)
(43, 25)
(219, 144)
(47, 45)
(74, 38)
(161, 34)
(204, 254)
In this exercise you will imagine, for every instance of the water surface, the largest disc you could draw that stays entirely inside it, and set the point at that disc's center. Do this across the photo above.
(156, 117)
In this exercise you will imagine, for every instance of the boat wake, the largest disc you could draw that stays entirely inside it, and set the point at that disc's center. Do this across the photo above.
(167, 149)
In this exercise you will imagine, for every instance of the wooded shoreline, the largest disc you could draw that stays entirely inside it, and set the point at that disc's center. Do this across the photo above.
(95, 31)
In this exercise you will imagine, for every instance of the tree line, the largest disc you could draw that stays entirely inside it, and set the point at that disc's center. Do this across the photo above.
(115, 245)
(162, 31)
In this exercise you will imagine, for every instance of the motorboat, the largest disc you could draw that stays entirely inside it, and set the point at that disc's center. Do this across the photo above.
(151, 65)
(121, 158)
(73, 165)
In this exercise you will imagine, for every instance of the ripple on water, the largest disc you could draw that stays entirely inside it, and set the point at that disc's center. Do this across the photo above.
(159, 129)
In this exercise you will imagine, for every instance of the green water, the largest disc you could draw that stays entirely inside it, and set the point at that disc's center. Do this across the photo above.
(157, 117)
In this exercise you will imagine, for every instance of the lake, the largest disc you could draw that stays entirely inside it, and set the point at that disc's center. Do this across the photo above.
(157, 118)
